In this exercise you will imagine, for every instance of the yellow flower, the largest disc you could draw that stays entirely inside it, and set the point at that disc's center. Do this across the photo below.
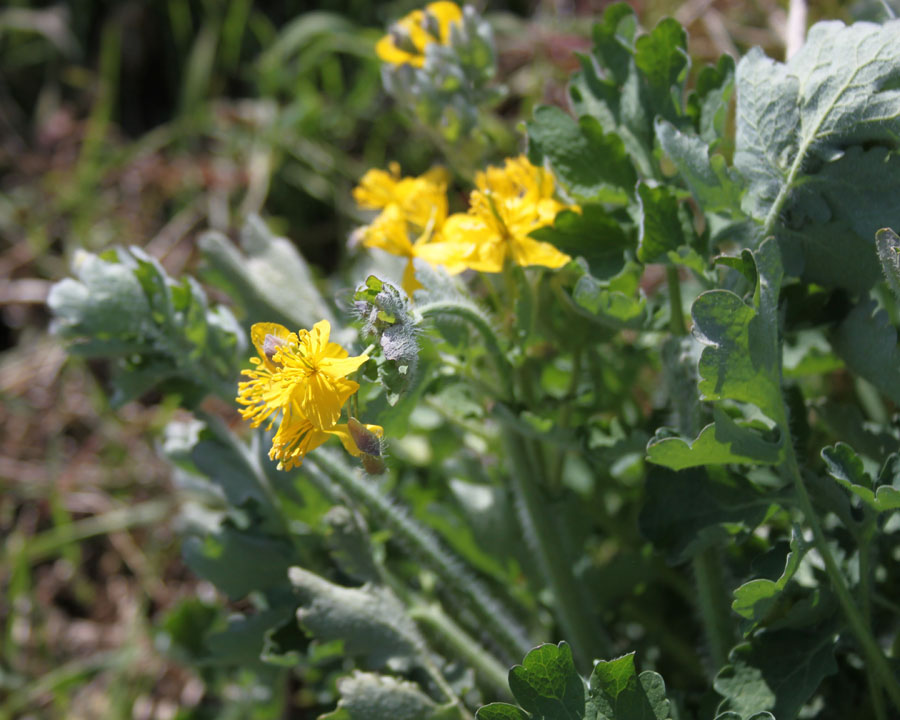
(406, 42)
(296, 437)
(507, 205)
(302, 376)
(422, 200)
(412, 205)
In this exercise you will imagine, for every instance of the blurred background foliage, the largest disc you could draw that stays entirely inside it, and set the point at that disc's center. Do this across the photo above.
(146, 122)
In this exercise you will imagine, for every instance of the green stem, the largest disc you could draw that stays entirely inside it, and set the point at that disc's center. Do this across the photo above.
(713, 596)
(676, 313)
(714, 606)
(437, 676)
(580, 629)
(865, 602)
(498, 622)
(480, 322)
(462, 645)
(875, 659)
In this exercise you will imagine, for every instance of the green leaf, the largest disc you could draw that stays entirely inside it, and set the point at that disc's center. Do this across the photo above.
(689, 510)
(266, 275)
(662, 60)
(619, 693)
(594, 234)
(742, 360)
(500, 711)
(708, 103)
(845, 466)
(801, 132)
(368, 696)
(867, 343)
(776, 671)
(617, 303)
(709, 179)
(157, 332)
(590, 164)
(229, 558)
(756, 599)
(370, 620)
(723, 441)
(661, 228)
(547, 685)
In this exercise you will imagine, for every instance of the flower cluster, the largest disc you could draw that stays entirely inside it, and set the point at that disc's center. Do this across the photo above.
(410, 208)
(302, 378)
(438, 63)
(507, 205)
(409, 36)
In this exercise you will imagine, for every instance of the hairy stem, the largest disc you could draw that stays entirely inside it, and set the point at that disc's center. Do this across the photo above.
(462, 645)
(581, 630)
(676, 313)
(875, 659)
(480, 322)
(714, 606)
(498, 621)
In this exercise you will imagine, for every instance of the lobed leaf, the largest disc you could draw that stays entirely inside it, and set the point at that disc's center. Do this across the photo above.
(369, 696)
(370, 620)
(817, 140)
(756, 599)
(777, 672)
(845, 466)
(867, 342)
(619, 693)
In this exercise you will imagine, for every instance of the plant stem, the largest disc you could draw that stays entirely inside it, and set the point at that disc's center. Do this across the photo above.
(865, 602)
(875, 659)
(713, 596)
(463, 645)
(435, 674)
(580, 629)
(676, 313)
(480, 322)
(498, 622)
(714, 606)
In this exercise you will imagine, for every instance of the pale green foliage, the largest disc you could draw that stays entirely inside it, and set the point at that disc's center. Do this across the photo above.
(801, 132)
(157, 331)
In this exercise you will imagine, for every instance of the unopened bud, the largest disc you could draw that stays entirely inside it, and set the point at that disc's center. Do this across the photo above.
(373, 465)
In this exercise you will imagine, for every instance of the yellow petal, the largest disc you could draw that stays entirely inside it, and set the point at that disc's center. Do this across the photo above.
(258, 334)
(390, 53)
(446, 14)
(388, 232)
(528, 251)
(410, 283)
(341, 367)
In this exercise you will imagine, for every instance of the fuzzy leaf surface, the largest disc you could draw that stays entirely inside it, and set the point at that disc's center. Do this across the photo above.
(813, 128)
(688, 510)
(754, 600)
(777, 672)
(845, 466)
(618, 693)
(370, 620)
(369, 696)
(867, 342)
